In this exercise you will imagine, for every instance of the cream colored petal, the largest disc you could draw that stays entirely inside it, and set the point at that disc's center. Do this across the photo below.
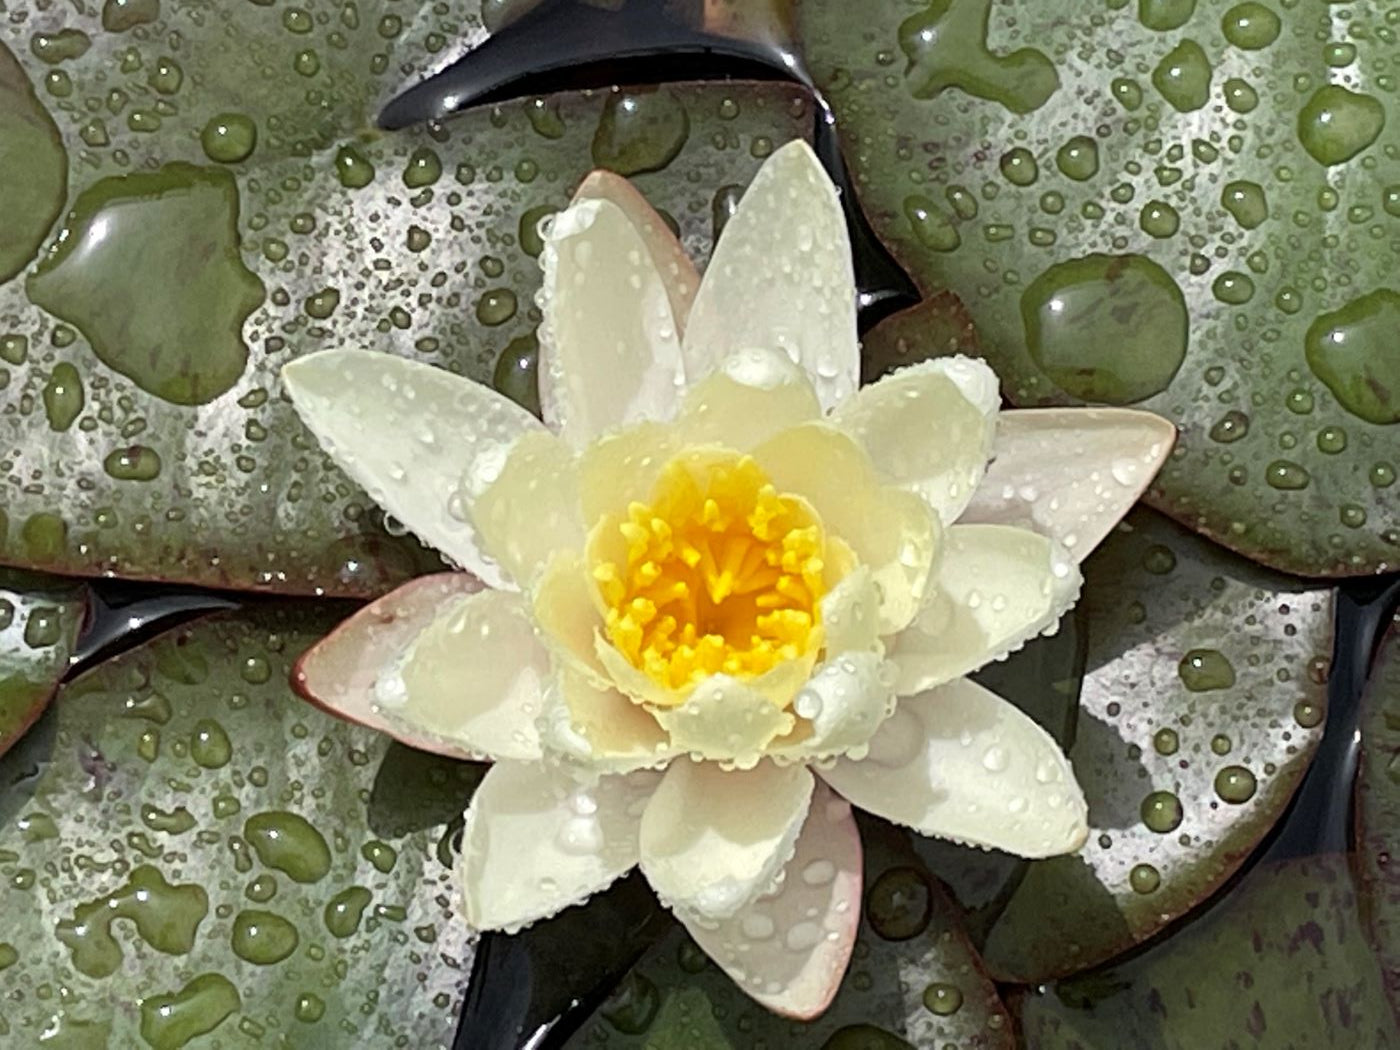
(725, 720)
(422, 441)
(713, 840)
(789, 949)
(781, 277)
(894, 532)
(601, 729)
(997, 588)
(677, 272)
(609, 352)
(532, 509)
(850, 613)
(751, 396)
(929, 428)
(1070, 473)
(338, 673)
(474, 678)
(566, 612)
(622, 467)
(537, 841)
(842, 705)
(960, 763)
(637, 684)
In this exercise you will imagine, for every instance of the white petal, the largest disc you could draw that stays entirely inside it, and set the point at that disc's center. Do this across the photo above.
(677, 271)
(789, 949)
(894, 532)
(532, 509)
(537, 841)
(601, 728)
(996, 588)
(961, 763)
(609, 349)
(565, 609)
(474, 678)
(749, 398)
(338, 673)
(850, 613)
(929, 428)
(841, 707)
(1070, 473)
(725, 720)
(622, 467)
(781, 277)
(420, 440)
(714, 840)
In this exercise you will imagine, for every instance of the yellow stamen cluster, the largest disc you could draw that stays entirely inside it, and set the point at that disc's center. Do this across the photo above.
(722, 573)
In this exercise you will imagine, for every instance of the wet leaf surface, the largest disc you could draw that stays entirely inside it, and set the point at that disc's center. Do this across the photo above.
(201, 840)
(914, 980)
(143, 426)
(1282, 962)
(40, 618)
(1187, 213)
(1378, 811)
(1202, 703)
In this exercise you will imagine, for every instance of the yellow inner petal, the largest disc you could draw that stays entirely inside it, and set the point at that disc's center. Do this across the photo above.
(719, 573)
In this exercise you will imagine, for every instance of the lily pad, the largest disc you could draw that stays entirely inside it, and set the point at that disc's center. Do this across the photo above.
(1202, 704)
(914, 980)
(1282, 962)
(233, 143)
(33, 168)
(1378, 810)
(1180, 213)
(40, 618)
(204, 852)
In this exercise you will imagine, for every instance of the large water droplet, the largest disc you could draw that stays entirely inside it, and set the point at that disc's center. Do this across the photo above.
(1246, 202)
(640, 130)
(262, 937)
(1183, 77)
(287, 841)
(120, 15)
(1161, 812)
(1354, 351)
(1250, 26)
(229, 138)
(33, 168)
(1336, 124)
(1202, 670)
(1235, 784)
(170, 1021)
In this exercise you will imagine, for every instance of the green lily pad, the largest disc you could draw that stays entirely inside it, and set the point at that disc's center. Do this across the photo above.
(40, 618)
(914, 980)
(1201, 706)
(203, 852)
(1378, 810)
(232, 208)
(1175, 212)
(1282, 962)
(33, 168)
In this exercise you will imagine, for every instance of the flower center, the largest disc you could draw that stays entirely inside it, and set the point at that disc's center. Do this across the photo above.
(722, 573)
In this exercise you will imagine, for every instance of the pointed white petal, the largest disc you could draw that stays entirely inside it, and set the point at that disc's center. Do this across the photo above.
(537, 841)
(677, 272)
(609, 352)
(601, 729)
(929, 428)
(725, 720)
(751, 396)
(781, 277)
(996, 588)
(789, 949)
(841, 707)
(850, 613)
(474, 679)
(960, 763)
(713, 840)
(421, 441)
(338, 673)
(894, 532)
(1070, 473)
(532, 509)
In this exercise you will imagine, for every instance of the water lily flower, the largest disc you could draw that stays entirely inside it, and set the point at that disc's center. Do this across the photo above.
(720, 595)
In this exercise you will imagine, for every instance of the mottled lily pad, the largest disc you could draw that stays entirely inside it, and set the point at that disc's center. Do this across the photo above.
(40, 618)
(914, 981)
(203, 852)
(1186, 213)
(33, 168)
(1282, 962)
(1378, 811)
(1202, 704)
(238, 139)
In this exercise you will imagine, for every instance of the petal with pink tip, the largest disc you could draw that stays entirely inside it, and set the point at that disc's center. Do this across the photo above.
(789, 949)
(1070, 473)
(338, 673)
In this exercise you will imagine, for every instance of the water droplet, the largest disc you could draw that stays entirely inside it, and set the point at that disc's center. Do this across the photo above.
(1352, 350)
(287, 841)
(1144, 878)
(943, 999)
(380, 854)
(229, 138)
(322, 304)
(172, 1020)
(1018, 166)
(33, 168)
(1183, 77)
(1161, 812)
(343, 911)
(1239, 96)
(423, 169)
(1163, 15)
(1307, 714)
(931, 224)
(1127, 92)
(165, 916)
(1338, 54)
(1078, 158)
(353, 168)
(1202, 670)
(899, 904)
(1106, 328)
(310, 1008)
(62, 46)
(63, 396)
(496, 306)
(640, 130)
(1235, 784)
(1286, 475)
(133, 463)
(262, 937)
(1220, 744)
(1336, 124)
(210, 746)
(1233, 287)
(1250, 26)
(1246, 203)
(1232, 426)
(1159, 219)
